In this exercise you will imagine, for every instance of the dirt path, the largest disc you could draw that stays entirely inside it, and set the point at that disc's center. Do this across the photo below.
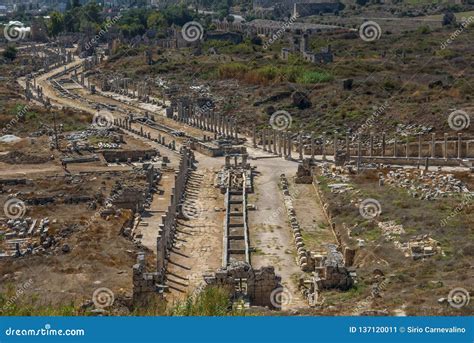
(17, 170)
(314, 227)
(269, 232)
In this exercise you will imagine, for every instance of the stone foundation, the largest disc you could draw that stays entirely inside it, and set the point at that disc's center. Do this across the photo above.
(260, 283)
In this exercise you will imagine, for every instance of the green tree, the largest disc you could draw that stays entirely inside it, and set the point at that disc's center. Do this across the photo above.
(156, 20)
(56, 24)
(91, 12)
(9, 53)
(178, 15)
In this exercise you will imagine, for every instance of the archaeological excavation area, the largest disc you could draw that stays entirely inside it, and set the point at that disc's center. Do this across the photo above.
(159, 178)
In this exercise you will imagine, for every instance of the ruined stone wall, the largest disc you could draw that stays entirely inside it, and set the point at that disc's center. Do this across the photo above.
(332, 273)
(206, 149)
(134, 197)
(342, 240)
(128, 155)
(168, 220)
(145, 285)
(260, 282)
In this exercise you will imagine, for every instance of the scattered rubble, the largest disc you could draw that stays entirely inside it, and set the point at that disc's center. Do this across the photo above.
(426, 185)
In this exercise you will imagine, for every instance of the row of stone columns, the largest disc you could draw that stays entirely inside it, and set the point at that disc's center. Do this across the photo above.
(284, 140)
(207, 120)
(127, 125)
(278, 142)
(139, 90)
(420, 146)
(167, 228)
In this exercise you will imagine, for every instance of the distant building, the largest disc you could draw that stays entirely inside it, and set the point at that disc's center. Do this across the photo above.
(316, 7)
(299, 45)
(301, 8)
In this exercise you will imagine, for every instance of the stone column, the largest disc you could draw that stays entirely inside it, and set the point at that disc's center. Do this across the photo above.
(269, 135)
(211, 122)
(312, 146)
(280, 140)
(335, 145)
(274, 142)
(395, 147)
(383, 144)
(216, 123)
(419, 146)
(348, 145)
(254, 136)
(433, 145)
(289, 146)
(445, 146)
(407, 147)
(459, 145)
(371, 152)
(218, 128)
(227, 127)
(359, 151)
(264, 139)
(300, 147)
(324, 146)
(284, 139)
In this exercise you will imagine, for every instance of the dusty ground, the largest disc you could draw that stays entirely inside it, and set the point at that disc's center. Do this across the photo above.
(99, 255)
(413, 286)
(315, 229)
(198, 247)
(270, 234)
